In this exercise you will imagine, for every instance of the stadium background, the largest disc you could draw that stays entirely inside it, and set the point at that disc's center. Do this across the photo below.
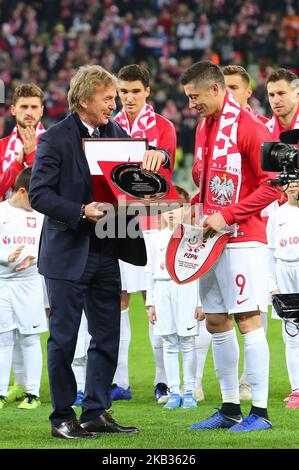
(45, 42)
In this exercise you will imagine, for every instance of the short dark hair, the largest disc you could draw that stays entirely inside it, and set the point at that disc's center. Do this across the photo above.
(281, 74)
(182, 193)
(130, 73)
(202, 73)
(23, 179)
(237, 70)
(27, 90)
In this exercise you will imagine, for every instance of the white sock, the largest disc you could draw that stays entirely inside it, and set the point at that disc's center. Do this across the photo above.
(157, 347)
(226, 358)
(187, 347)
(171, 362)
(292, 355)
(18, 365)
(256, 353)
(6, 350)
(121, 376)
(33, 361)
(244, 378)
(264, 318)
(202, 344)
(79, 368)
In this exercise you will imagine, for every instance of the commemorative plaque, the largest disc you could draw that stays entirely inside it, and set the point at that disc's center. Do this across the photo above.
(136, 182)
(116, 172)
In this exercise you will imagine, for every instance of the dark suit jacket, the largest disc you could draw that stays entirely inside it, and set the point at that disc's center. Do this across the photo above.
(60, 184)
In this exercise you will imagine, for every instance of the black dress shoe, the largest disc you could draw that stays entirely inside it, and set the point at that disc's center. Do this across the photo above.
(105, 423)
(72, 430)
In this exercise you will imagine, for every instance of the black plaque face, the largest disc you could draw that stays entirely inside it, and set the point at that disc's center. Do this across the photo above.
(139, 183)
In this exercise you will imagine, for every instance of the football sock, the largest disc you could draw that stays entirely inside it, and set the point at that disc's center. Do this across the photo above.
(121, 377)
(33, 361)
(187, 347)
(157, 347)
(292, 355)
(256, 352)
(171, 362)
(6, 351)
(18, 365)
(202, 344)
(262, 412)
(226, 358)
(79, 368)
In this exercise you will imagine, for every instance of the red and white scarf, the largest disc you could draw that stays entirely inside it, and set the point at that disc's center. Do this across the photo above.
(275, 129)
(224, 169)
(144, 126)
(15, 145)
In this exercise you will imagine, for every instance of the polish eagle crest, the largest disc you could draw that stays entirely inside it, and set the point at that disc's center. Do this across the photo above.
(223, 189)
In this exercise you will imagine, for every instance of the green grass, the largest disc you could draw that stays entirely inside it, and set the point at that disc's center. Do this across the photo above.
(161, 429)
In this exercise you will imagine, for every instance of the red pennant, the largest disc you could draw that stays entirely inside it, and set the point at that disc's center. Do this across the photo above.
(189, 256)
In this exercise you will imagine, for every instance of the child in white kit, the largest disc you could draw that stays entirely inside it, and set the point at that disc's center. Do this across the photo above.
(283, 249)
(172, 309)
(22, 314)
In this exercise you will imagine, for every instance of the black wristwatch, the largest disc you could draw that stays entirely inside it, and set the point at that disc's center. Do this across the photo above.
(82, 213)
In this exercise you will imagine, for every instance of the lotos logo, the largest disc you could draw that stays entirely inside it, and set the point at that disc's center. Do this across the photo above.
(283, 242)
(6, 240)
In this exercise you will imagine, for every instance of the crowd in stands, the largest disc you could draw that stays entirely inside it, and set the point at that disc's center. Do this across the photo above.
(45, 42)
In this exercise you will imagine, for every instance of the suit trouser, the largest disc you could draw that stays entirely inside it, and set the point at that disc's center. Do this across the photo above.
(98, 292)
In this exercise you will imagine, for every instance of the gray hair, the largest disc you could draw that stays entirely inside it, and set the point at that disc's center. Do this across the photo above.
(86, 81)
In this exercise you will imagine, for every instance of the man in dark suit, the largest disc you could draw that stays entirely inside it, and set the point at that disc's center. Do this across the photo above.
(81, 270)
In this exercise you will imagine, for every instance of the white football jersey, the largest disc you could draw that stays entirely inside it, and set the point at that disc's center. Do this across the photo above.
(283, 233)
(18, 227)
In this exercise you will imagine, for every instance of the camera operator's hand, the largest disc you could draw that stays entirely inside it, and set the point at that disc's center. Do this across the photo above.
(274, 292)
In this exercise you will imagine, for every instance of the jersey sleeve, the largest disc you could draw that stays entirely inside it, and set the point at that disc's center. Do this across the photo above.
(8, 177)
(251, 135)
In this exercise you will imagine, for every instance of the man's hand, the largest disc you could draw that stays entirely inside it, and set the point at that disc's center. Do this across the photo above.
(15, 254)
(199, 315)
(25, 263)
(21, 156)
(151, 313)
(93, 211)
(29, 139)
(213, 224)
(274, 292)
(152, 160)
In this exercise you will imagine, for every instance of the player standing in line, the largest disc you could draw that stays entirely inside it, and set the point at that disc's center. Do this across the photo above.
(17, 151)
(173, 310)
(233, 190)
(283, 94)
(22, 314)
(139, 120)
(283, 250)
(238, 82)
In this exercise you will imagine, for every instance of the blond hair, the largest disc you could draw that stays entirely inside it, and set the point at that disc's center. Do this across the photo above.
(237, 70)
(86, 81)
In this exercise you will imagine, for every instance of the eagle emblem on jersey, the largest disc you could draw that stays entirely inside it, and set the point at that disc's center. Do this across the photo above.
(223, 189)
